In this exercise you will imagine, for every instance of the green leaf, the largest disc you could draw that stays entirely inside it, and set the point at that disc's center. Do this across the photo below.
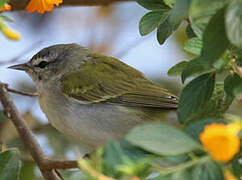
(236, 51)
(28, 171)
(153, 4)
(233, 85)
(201, 11)
(169, 2)
(194, 67)
(223, 63)
(179, 11)
(113, 154)
(74, 175)
(177, 69)
(195, 96)
(168, 161)
(197, 173)
(161, 139)
(213, 46)
(151, 20)
(209, 170)
(134, 153)
(198, 29)
(196, 128)
(239, 61)
(178, 175)
(233, 21)
(217, 105)
(181, 175)
(189, 32)
(165, 30)
(9, 164)
(236, 166)
(194, 46)
(215, 172)
(219, 102)
(215, 41)
(140, 169)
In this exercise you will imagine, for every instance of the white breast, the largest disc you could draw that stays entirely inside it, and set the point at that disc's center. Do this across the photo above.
(92, 124)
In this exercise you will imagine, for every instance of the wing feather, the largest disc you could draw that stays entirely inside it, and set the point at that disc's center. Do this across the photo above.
(106, 79)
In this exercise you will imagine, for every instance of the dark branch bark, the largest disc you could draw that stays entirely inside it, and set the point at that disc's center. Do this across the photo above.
(60, 164)
(25, 133)
(46, 166)
(21, 93)
(54, 164)
(22, 4)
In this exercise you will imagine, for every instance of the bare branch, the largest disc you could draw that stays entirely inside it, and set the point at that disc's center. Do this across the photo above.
(54, 164)
(47, 167)
(22, 4)
(60, 164)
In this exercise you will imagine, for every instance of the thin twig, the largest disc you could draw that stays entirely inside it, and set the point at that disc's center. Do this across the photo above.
(60, 164)
(21, 93)
(46, 166)
(54, 164)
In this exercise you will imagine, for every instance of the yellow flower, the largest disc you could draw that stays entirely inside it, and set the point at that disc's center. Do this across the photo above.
(221, 141)
(9, 33)
(42, 5)
(228, 175)
(6, 7)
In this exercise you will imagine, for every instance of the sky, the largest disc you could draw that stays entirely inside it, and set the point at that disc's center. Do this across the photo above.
(120, 28)
(82, 25)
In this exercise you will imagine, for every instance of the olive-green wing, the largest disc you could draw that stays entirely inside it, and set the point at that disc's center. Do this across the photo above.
(106, 79)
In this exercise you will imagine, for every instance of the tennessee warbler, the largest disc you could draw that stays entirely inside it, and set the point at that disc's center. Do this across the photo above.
(92, 97)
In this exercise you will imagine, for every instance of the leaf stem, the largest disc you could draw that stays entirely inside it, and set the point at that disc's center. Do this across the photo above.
(172, 169)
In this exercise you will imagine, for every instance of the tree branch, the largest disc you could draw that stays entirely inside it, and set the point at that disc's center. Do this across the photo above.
(22, 4)
(46, 166)
(54, 164)
(59, 164)
(21, 93)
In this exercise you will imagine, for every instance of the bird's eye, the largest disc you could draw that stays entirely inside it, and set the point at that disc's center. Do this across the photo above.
(42, 64)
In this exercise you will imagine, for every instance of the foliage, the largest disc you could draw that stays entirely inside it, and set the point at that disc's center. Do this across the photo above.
(9, 164)
(214, 36)
(157, 151)
(179, 143)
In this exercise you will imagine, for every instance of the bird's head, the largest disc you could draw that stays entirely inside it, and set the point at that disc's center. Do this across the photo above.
(53, 61)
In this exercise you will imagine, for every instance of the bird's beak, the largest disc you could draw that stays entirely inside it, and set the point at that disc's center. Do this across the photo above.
(21, 67)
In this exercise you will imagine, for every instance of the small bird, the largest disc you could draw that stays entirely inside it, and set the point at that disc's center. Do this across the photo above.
(92, 97)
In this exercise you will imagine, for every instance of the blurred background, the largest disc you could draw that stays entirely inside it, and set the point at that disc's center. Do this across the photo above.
(110, 30)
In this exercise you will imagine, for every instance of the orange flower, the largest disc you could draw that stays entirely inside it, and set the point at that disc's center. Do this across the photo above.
(221, 141)
(6, 7)
(42, 5)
